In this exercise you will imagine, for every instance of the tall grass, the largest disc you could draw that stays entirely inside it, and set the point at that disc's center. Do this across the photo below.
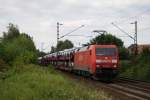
(139, 70)
(43, 83)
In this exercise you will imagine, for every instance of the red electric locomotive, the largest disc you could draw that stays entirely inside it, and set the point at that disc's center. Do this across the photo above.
(100, 61)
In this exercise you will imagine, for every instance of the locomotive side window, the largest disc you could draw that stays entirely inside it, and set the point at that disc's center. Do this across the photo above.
(106, 51)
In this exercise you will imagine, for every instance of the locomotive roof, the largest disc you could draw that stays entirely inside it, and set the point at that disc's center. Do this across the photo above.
(78, 48)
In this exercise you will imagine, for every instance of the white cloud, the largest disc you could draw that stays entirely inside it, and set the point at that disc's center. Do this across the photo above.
(38, 18)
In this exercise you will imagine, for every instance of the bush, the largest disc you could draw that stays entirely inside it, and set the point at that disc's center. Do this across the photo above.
(2, 65)
(124, 65)
(144, 72)
(145, 56)
(21, 48)
(139, 68)
(123, 53)
(2, 51)
(27, 57)
(44, 83)
(16, 49)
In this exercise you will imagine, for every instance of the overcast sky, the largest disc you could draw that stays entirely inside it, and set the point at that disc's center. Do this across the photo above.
(38, 18)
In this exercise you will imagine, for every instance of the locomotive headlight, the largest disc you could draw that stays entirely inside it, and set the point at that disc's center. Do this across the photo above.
(114, 61)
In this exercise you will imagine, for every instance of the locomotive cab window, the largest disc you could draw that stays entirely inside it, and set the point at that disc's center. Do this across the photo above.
(106, 51)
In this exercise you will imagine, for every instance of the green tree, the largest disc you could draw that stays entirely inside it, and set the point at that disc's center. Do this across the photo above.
(123, 53)
(23, 47)
(53, 49)
(68, 44)
(64, 45)
(40, 53)
(2, 62)
(111, 39)
(16, 48)
(107, 39)
(1, 50)
(59, 46)
(145, 55)
(12, 32)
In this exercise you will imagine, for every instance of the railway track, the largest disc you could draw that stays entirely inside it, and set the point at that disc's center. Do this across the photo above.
(123, 89)
(135, 89)
(132, 90)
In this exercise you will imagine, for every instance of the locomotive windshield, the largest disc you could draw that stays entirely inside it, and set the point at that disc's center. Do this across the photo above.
(105, 51)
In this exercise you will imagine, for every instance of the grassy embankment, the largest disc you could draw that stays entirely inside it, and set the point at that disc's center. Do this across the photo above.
(138, 67)
(135, 70)
(32, 82)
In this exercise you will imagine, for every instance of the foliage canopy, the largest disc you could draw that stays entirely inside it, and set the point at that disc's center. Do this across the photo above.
(62, 45)
(12, 32)
(16, 46)
(107, 39)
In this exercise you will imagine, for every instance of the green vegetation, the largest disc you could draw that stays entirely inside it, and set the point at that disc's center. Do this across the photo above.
(33, 82)
(20, 48)
(137, 68)
(123, 53)
(111, 39)
(12, 32)
(107, 39)
(62, 45)
(132, 67)
(21, 80)
(16, 47)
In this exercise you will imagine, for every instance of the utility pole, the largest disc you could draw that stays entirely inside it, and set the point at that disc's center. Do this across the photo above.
(135, 38)
(67, 34)
(58, 24)
(132, 37)
(57, 34)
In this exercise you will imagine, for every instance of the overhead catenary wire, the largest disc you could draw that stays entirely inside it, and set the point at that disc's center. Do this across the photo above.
(80, 35)
(122, 30)
(139, 14)
(71, 31)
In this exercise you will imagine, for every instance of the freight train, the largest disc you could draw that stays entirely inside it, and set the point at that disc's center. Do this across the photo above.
(96, 61)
